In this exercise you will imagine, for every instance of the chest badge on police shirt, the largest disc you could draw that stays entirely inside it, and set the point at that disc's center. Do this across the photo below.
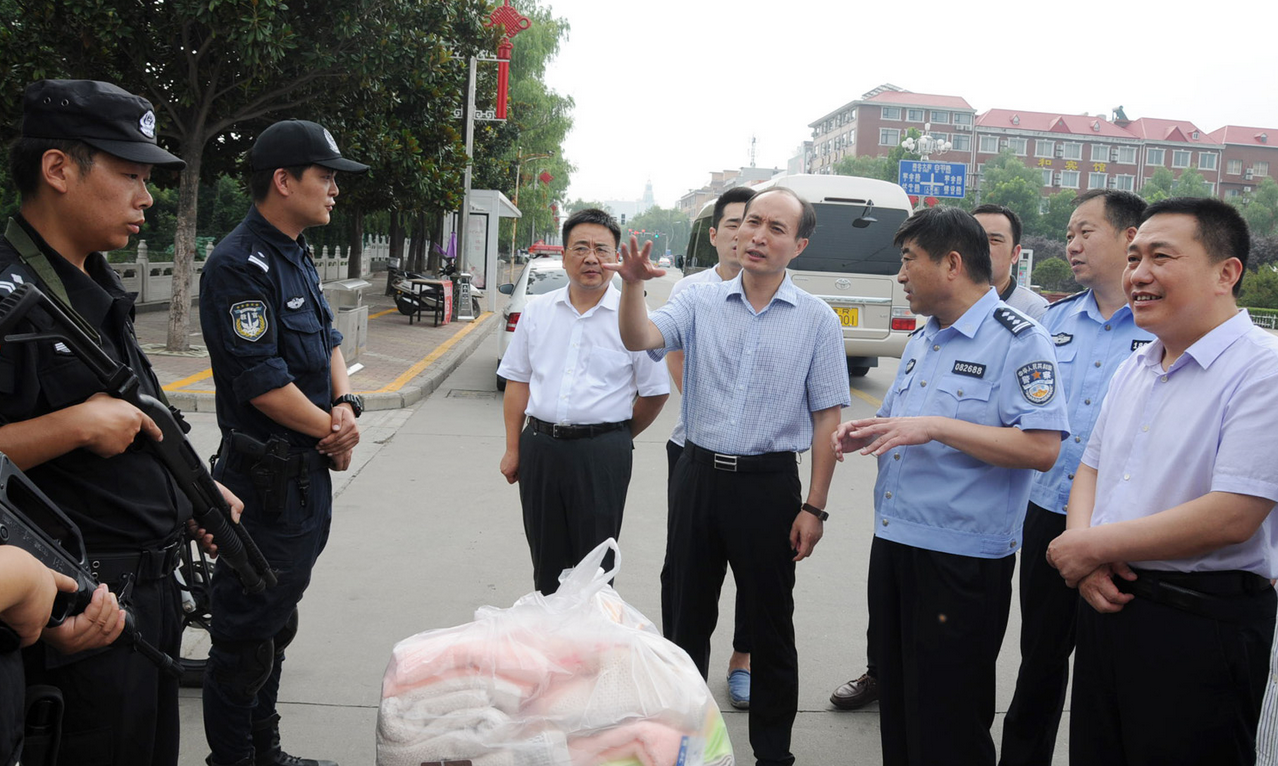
(296, 303)
(971, 369)
(1139, 343)
(909, 367)
(248, 319)
(1038, 382)
(1062, 338)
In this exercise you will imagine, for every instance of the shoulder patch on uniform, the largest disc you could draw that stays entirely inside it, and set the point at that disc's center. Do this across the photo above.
(1038, 382)
(909, 366)
(1012, 319)
(296, 303)
(1139, 343)
(11, 279)
(248, 320)
(971, 369)
(1062, 338)
(259, 260)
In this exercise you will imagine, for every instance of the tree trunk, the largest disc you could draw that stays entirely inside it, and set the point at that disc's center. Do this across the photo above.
(356, 253)
(418, 243)
(184, 248)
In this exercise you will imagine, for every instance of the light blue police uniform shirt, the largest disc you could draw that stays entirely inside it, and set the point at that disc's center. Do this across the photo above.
(1207, 423)
(1089, 349)
(752, 379)
(995, 367)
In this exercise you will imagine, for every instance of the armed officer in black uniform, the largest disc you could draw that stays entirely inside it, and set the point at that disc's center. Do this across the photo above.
(81, 166)
(287, 417)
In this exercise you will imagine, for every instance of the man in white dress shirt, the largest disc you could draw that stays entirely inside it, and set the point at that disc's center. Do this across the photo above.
(1169, 536)
(575, 399)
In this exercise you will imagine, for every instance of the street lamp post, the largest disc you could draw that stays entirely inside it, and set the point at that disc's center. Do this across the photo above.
(519, 179)
(926, 145)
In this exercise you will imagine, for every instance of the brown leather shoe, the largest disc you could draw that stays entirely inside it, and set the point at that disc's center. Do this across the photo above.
(856, 694)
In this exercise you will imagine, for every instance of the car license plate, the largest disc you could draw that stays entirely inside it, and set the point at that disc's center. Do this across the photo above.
(847, 317)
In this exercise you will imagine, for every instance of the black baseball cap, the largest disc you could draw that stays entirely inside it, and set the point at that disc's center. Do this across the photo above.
(99, 114)
(299, 142)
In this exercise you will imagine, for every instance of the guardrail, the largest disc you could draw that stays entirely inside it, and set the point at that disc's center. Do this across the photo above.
(1267, 318)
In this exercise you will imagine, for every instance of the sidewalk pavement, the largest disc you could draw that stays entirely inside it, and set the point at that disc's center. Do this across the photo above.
(402, 362)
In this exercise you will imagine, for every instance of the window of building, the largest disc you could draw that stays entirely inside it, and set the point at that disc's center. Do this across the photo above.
(1043, 205)
(1181, 158)
(891, 112)
(889, 136)
(962, 142)
(1260, 169)
(941, 118)
(1234, 167)
(1069, 179)
(914, 115)
(852, 136)
(1211, 188)
(1044, 148)
(962, 118)
(1127, 155)
(1100, 152)
(1019, 146)
(1207, 160)
(1096, 180)
(1125, 183)
(1072, 150)
(1155, 156)
(1047, 176)
(940, 136)
(989, 145)
(1232, 192)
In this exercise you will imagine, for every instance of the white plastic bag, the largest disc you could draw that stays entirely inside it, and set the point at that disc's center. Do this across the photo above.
(576, 678)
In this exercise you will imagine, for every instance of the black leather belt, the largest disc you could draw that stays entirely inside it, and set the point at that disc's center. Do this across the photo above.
(144, 565)
(245, 448)
(1218, 595)
(768, 462)
(559, 431)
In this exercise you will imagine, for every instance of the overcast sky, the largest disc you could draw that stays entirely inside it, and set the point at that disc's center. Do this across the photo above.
(670, 90)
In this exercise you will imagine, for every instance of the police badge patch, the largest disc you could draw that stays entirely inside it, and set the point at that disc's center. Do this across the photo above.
(1038, 382)
(909, 367)
(1139, 343)
(296, 303)
(248, 319)
(146, 125)
(1062, 338)
(332, 144)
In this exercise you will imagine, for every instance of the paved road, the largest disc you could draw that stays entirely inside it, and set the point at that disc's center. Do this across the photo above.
(426, 530)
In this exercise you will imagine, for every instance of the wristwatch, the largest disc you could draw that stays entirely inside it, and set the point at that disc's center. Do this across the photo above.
(354, 400)
(812, 509)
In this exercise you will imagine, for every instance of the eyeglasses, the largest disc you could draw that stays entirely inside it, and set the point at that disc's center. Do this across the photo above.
(581, 251)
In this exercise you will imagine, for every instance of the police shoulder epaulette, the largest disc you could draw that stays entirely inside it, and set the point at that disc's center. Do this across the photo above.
(1012, 319)
(1068, 298)
(13, 276)
(919, 331)
(259, 259)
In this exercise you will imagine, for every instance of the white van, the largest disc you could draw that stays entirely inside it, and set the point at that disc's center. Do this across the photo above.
(850, 261)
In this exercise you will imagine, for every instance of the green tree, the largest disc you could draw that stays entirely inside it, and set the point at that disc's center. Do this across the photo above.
(1008, 182)
(1259, 208)
(580, 204)
(1158, 186)
(1260, 288)
(218, 71)
(1055, 275)
(1055, 219)
(867, 167)
(666, 228)
(1190, 184)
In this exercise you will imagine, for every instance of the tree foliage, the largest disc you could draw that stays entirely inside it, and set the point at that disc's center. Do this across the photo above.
(1259, 208)
(1053, 221)
(1007, 181)
(1159, 185)
(666, 228)
(867, 167)
(1055, 275)
(1260, 288)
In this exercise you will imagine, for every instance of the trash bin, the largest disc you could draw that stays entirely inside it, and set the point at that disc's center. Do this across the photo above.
(346, 298)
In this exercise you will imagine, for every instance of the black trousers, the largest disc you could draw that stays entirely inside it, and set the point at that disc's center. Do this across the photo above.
(573, 492)
(717, 519)
(939, 621)
(1157, 685)
(120, 709)
(741, 626)
(1049, 609)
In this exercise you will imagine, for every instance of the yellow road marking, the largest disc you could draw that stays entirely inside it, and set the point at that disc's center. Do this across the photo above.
(866, 398)
(196, 378)
(383, 313)
(430, 358)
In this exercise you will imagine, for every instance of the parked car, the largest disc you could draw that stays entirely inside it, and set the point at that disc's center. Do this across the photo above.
(541, 275)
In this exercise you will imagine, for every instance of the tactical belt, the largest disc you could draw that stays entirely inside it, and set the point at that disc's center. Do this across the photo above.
(559, 431)
(769, 462)
(144, 565)
(1226, 596)
(246, 448)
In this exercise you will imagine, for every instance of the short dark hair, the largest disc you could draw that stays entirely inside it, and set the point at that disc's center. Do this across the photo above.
(26, 155)
(735, 194)
(1123, 209)
(260, 180)
(1222, 231)
(592, 215)
(942, 229)
(1007, 213)
(807, 214)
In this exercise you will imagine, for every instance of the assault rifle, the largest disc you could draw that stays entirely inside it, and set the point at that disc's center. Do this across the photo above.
(51, 323)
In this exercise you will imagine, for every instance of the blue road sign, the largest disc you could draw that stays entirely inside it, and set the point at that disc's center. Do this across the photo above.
(933, 179)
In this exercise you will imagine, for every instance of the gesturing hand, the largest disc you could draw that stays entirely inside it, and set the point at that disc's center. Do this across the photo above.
(634, 263)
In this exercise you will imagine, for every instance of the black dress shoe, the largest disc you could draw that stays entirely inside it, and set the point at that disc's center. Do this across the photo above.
(856, 694)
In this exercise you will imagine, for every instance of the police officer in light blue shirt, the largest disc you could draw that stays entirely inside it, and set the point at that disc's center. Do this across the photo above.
(975, 405)
(1093, 332)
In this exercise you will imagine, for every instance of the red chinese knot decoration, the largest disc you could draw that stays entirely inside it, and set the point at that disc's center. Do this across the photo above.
(512, 22)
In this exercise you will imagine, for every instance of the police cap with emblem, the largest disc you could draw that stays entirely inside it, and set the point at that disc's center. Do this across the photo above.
(290, 143)
(99, 114)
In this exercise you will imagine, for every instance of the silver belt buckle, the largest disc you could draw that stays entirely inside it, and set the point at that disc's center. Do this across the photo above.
(725, 462)
(554, 430)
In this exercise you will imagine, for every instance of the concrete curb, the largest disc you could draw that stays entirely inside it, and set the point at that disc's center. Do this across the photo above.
(419, 388)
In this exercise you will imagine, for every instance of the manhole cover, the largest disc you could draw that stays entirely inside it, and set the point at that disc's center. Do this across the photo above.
(461, 393)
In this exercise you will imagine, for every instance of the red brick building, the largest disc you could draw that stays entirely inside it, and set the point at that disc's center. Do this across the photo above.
(1073, 151)
(1176, 145)
(1248, 155)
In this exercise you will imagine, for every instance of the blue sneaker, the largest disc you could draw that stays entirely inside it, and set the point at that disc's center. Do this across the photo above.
(739, 689)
